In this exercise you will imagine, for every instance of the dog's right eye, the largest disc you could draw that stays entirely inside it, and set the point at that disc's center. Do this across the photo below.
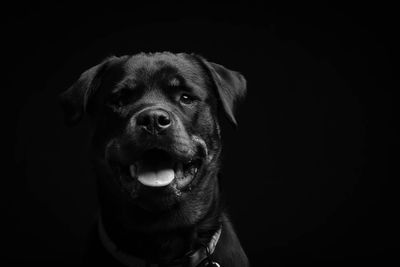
(120, 98)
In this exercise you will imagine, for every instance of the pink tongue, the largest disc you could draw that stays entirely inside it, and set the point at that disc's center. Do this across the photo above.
(156, 175)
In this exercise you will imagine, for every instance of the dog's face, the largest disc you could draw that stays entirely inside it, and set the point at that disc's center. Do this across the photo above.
(156, 138)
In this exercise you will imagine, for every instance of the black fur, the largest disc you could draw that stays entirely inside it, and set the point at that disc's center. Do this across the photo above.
(160, 224)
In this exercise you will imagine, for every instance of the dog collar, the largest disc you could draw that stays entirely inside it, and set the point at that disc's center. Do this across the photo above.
(198, 258)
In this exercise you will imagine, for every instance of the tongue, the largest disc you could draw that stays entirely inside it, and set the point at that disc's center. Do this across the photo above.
(155, 174)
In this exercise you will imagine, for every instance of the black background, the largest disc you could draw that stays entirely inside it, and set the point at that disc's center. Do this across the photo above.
(307, 175)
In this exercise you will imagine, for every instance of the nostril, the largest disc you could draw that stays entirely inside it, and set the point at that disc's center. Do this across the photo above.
(143, 121)
(163, 121)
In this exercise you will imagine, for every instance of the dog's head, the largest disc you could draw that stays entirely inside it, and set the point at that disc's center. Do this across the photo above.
(155, 130)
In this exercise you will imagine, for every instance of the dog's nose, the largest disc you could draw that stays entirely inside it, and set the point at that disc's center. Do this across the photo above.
(154, 121)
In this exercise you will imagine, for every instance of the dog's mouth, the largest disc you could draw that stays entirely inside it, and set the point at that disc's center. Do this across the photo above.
(158, 168)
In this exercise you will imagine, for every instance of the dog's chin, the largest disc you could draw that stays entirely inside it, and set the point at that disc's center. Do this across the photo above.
(159, 176)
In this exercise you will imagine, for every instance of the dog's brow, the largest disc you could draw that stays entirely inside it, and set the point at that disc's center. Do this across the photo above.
(174, 81)
(178, 83)
(127, 83)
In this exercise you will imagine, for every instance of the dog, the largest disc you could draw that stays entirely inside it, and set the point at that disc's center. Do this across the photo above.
(155, 151)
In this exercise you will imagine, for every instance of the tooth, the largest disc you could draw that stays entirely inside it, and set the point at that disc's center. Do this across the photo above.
(132, 170)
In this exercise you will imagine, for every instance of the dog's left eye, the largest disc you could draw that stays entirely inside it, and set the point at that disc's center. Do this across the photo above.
(186, 99)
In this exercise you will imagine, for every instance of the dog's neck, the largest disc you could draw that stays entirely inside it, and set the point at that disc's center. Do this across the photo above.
(161, 244)
(197, 257)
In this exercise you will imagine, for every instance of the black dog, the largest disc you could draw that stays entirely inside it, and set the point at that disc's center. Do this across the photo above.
(155, 147)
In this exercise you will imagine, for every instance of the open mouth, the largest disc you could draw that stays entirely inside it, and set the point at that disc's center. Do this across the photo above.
(158, 168)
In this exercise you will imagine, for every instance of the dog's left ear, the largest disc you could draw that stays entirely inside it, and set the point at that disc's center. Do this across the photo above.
(231, 86)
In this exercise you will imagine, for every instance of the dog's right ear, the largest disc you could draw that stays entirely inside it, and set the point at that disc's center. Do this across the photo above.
(74, 101)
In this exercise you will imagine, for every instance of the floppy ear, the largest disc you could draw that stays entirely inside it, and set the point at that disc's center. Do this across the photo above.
(75, 100)
(231, 86)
